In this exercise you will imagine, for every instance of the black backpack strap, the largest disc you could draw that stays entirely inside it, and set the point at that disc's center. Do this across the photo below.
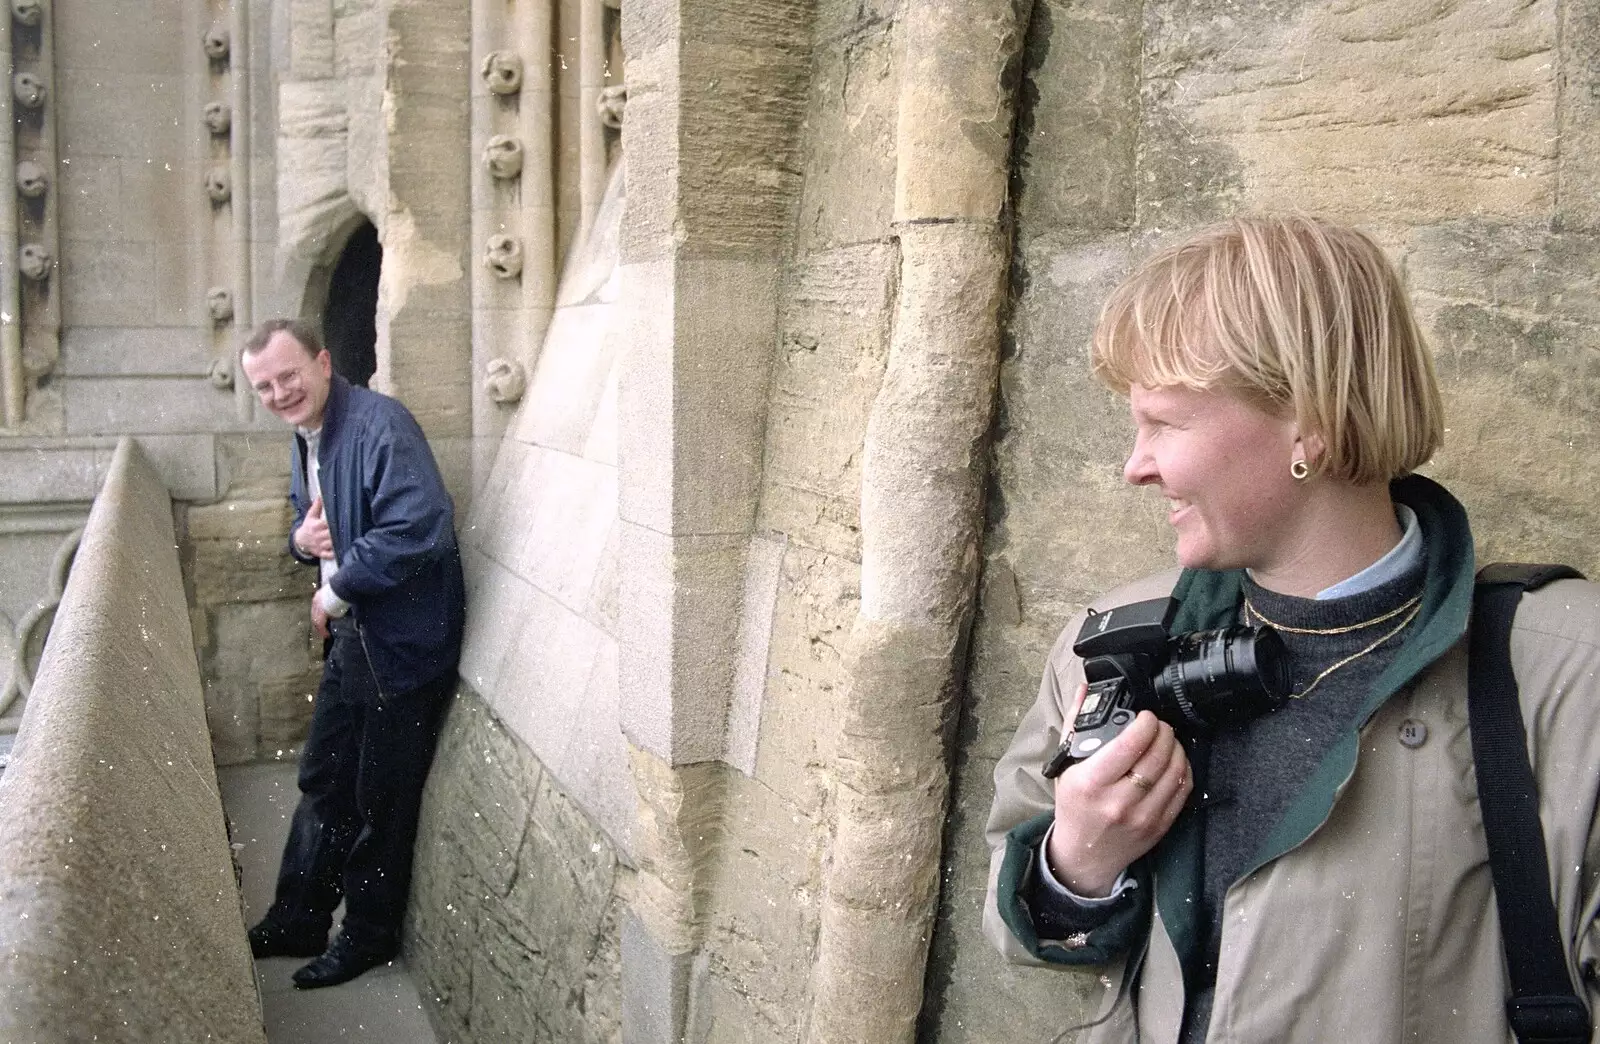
(1543, 1006)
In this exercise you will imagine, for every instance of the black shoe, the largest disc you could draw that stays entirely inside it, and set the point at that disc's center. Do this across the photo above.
(344, 961)
(268, 939)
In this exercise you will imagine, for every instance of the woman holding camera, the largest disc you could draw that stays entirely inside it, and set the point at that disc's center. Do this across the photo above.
(1319, 872)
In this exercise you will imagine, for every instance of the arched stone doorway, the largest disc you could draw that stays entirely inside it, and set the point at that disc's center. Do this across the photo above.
(349, 325)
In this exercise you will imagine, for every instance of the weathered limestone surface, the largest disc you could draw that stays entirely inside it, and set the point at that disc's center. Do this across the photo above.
(517, 898)
(924, 471)
(424, 296)
(137, 256)
(262, 666)
(762, 882)
(122, 914)
(1512, 313)
(835, 342)
(250, 603)
(1578, 118)
(1405, 109)
(36, 546)
(542, 546)
(314, 198)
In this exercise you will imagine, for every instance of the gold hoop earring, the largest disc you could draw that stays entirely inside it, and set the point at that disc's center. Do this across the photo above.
(1300, 470)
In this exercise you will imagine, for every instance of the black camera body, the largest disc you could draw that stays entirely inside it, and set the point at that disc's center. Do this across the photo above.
(1202, 680)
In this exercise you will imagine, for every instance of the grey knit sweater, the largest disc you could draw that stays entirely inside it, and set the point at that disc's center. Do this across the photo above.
(1254, 771)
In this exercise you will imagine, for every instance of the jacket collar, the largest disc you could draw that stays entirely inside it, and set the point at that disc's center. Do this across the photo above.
(1213, 599)
(333, 411)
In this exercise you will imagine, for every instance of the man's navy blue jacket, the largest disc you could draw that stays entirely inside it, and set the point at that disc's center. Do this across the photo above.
(393, 527)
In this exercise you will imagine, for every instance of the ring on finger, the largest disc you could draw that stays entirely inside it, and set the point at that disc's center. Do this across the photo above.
(1139, 781)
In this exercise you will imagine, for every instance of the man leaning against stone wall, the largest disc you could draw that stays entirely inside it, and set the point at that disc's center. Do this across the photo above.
(372, 514)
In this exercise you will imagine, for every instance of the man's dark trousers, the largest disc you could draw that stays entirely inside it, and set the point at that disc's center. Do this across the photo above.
(362, 771)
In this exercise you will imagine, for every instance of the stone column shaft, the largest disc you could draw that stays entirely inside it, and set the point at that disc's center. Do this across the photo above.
(242, 165)
(11, 380)
(591, 132)
(30, 330)
(921, 518)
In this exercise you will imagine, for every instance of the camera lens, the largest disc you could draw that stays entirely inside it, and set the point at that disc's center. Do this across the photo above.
(1224, 677)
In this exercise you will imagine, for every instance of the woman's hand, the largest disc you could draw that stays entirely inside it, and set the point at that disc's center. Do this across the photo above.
(1113, 807)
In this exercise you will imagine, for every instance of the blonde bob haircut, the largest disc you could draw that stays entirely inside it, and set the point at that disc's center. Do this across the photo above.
(1303, 317)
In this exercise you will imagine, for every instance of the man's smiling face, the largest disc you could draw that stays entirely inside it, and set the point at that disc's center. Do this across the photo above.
(291, 382)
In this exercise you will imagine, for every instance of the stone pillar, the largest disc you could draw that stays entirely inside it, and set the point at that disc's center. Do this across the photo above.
(1578, 117)
(921, 518)
(424, 323)
(716, 96)
(11, 386)
(30, 271)
(238, 313)
(514, 176)
(217, 116)
(592, 63)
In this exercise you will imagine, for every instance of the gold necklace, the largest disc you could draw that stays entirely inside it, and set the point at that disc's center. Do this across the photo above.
(1415, 605)
(1251, 610)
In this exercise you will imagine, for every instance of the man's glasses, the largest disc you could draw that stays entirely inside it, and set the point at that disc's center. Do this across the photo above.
(284, 384)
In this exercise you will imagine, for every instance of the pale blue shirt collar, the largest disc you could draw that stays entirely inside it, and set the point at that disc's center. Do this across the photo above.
(1401, 558)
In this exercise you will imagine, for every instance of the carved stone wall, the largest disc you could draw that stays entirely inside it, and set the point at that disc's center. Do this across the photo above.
(37, 543)
(30, 295)
(659, 464)
(1138, 123)
(138, 176)
(372, 97)
(516, 903)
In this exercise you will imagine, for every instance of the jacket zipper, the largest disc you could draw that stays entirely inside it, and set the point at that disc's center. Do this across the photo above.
(361, 633)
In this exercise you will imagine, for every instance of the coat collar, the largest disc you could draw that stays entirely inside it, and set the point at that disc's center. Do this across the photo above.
(333, 411)
(1212, 599)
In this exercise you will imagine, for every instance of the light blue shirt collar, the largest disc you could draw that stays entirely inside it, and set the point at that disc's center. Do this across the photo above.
(1402, 557)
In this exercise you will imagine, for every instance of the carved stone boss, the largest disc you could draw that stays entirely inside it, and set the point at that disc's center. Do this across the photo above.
(505, 381)
(503, 255)
(502, 71)
(503, 157)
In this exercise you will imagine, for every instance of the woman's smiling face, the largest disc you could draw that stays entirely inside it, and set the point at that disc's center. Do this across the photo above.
(1223, 465)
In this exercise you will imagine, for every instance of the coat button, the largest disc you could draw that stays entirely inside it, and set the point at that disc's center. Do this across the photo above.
(1413, 733)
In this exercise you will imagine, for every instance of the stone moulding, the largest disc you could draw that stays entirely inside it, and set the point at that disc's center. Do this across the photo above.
(611, 105)
(921, 519)
(113, 757)
(503, 256)
(220, 374)
(36, 624)
(28, 90)
(218, 117)
(30, 309)
(27, 13)
(219, 304)
(218, 43)
(503, 156)
(219, 185)
(505, 381)
(32, 180)
(34, 262)
(502, 71)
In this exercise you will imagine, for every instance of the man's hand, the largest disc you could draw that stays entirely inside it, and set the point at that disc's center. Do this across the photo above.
(313, 538)
(1113, 807)
(319, 616)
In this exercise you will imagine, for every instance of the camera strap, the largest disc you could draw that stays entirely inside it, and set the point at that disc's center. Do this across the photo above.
(1543, 1006)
